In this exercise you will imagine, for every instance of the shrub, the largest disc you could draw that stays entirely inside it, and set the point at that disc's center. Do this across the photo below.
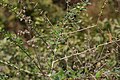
(37, 43)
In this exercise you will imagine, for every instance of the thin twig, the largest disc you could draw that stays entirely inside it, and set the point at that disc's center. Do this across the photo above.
(78, 30)
(24, 50)
(83, 51)
(93, 76)
(102, 9)
(20, 69)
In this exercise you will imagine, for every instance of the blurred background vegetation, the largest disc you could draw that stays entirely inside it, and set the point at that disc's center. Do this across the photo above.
(59, 39)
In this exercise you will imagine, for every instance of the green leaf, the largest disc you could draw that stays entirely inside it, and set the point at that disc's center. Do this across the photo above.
(98, 74)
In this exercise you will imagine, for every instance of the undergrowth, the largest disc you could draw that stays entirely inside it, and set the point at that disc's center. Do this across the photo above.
(42, 45)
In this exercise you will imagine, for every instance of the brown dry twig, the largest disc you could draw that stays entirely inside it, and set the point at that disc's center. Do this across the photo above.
(66, 57)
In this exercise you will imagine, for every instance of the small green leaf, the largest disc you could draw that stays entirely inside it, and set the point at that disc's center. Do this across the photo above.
(98, 74)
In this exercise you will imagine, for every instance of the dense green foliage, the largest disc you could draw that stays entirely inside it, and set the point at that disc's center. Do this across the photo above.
(41, 41)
